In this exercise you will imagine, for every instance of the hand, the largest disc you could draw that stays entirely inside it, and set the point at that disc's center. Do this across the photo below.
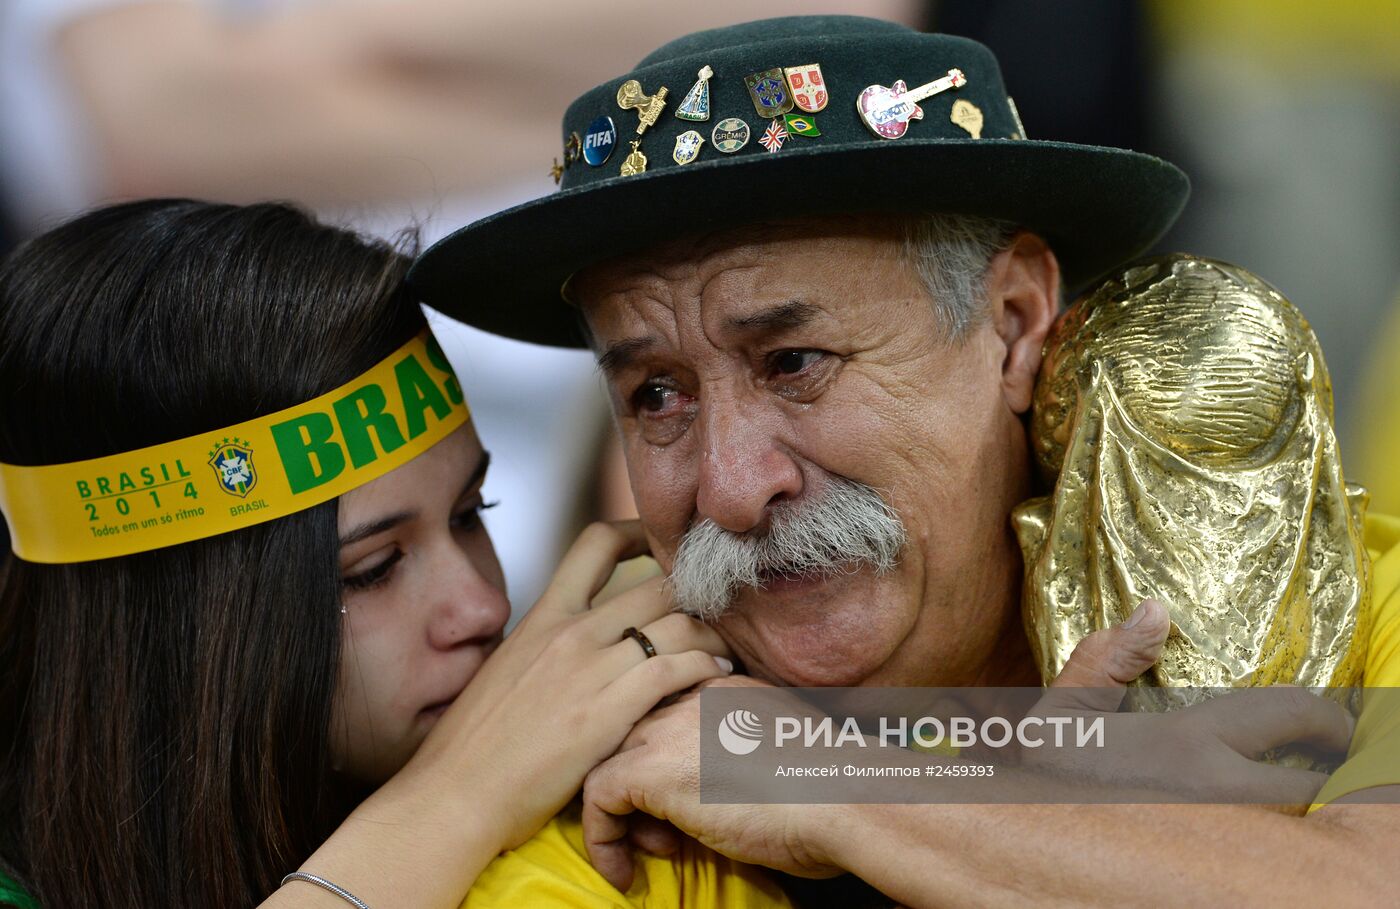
(564, 689)
(657, 771)
(1206, 752)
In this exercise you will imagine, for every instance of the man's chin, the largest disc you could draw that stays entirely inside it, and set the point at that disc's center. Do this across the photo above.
(817, 630)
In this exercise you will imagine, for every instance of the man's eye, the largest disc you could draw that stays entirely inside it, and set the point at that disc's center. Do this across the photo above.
(654, 398)
(791, 362)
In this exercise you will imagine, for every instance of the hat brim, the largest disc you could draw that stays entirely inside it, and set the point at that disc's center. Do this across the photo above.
(1097, 207)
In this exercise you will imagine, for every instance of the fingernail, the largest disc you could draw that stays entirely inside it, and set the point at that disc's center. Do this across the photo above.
(1139, 614)
(724, 664)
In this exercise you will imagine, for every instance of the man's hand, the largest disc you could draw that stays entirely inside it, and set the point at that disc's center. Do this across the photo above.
(657, 770)
(1204, 753)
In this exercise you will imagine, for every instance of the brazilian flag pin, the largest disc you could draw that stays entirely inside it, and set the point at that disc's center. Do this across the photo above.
(801, 125)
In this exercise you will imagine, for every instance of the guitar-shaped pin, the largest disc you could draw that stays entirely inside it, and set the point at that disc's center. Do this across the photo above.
(887, 111)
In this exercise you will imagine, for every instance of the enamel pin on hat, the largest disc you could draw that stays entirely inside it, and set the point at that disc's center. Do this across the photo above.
(1096, 207)
(808, 87)
(695, 106)
(687, 147)
(887, 111)
(769, 92)
(774, 136)
(729, 135)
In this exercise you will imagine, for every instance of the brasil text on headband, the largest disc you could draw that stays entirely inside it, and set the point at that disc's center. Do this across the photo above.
(238, 476)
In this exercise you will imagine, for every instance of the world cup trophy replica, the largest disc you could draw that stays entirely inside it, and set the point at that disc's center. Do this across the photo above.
(1183, 417)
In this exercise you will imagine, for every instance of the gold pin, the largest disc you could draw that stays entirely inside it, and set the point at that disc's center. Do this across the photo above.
(557, 171)
(573, 150)
(636, 162)
(966, 115)
(648, 107)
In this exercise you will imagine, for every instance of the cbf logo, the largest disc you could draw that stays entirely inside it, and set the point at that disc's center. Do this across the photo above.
(740, 732)
(232, 460)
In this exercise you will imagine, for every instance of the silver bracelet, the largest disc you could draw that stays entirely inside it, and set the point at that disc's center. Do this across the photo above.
(324, 884)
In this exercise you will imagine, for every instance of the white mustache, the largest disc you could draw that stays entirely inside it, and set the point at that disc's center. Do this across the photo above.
(847, 527)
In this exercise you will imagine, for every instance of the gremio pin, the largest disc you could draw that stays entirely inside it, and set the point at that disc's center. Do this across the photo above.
(729, 135)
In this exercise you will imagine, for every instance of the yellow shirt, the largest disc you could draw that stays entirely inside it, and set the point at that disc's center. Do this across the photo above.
(552, 869)
(1372, 461)
(1374, 759)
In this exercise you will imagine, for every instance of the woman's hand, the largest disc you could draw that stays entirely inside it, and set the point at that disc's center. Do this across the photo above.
(556, 698)
(564, 689)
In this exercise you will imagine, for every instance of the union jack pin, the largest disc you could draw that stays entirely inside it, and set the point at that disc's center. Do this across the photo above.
(774, 136)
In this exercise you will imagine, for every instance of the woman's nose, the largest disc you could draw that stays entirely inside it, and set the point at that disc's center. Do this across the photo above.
(469, 603)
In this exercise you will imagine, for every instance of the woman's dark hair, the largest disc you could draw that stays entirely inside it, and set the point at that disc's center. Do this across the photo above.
(164, 717)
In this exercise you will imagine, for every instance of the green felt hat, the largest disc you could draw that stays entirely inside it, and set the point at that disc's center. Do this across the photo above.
(1096, 206)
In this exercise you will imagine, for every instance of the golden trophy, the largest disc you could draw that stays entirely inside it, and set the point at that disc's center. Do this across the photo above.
(1183, 417)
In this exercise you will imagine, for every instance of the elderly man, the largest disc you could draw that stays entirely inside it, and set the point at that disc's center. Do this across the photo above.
(820, 388)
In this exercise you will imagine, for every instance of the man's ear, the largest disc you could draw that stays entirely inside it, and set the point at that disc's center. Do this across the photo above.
(1023, 293)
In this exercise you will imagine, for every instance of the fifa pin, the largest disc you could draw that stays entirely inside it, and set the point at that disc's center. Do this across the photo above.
(599, 141)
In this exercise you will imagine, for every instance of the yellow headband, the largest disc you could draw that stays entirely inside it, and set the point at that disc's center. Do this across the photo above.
(209, 484)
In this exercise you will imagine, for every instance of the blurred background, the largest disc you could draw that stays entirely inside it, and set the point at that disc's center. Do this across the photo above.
(387, 114)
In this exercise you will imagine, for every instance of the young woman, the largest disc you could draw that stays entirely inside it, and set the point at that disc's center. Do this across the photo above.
(187, 715)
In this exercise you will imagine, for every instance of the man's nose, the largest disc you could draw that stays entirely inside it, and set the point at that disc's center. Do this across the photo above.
(744, 467)
(466, 605)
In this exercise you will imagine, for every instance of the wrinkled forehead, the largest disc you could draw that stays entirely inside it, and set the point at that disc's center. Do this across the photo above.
(736, 262)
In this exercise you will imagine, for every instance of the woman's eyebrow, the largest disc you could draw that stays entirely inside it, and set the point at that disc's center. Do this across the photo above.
(369, 529)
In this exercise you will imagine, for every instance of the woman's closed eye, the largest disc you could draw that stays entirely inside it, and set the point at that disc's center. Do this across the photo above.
(469, 518)
(377, 569)
(376, 574)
